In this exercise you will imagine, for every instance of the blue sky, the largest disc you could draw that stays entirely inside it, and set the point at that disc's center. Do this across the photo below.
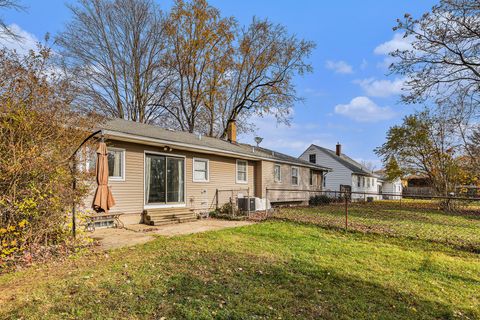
(350, 98)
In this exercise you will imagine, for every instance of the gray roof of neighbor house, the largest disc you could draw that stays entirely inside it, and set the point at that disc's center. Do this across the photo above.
(348, 162)
(141, 131)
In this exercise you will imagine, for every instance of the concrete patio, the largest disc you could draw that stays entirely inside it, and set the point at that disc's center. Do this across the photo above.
(133, 234)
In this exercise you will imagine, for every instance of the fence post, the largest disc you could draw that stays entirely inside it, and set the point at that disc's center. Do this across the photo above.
(231, 204)
(248, 201)
(346, 212)
(266, 202)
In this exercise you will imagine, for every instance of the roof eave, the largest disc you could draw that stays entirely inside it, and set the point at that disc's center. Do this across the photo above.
(128, 137)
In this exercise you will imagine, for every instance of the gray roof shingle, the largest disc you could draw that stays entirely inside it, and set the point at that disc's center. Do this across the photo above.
(209, 144)
(347, 162)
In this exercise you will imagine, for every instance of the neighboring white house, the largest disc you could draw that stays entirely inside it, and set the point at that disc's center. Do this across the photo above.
(391, 189)
(347, 173)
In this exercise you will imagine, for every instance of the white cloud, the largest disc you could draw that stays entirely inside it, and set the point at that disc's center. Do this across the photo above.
(398, 42)
(292, 140)
(381, 88)
(339, 66)
(26, 42)
(362, 109)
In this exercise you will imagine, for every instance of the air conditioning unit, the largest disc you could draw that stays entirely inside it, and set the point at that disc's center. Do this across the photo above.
(262, 204)
(256, 204)
(243, 204)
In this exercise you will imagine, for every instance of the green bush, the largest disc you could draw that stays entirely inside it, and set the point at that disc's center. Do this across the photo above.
(319, 200)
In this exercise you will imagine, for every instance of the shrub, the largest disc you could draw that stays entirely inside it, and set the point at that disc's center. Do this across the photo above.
(319, 200)
(38, 134)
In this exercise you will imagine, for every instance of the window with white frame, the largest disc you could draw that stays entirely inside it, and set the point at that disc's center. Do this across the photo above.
(311, 178)
(358, 181)
(312, 158)
(368, 182)
(277, 173)
(363, 182)
(295, 176)
(242, 171)
(116, 164)
(200, 170)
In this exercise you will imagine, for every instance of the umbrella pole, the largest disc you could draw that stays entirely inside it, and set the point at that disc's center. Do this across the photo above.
(74, 219)
(74, 182)
(74, 205)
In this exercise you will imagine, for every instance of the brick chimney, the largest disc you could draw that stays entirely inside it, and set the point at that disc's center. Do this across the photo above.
(338, 149)
(232, 131)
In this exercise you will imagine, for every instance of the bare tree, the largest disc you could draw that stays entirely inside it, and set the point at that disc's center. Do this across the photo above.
(266, 60)
(194, 69)
(223, 73)
(369, 165)
(116, 49)
(443, 63)
(199, 56)
(6, 31)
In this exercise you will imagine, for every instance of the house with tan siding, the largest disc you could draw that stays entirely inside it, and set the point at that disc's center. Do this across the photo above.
(176, 175)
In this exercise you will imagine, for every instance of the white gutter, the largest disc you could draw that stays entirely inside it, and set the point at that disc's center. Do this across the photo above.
(156, 141)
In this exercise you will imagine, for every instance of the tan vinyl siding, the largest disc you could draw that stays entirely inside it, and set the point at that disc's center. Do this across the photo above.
(286, 182)
(129, 193)
(200, 196)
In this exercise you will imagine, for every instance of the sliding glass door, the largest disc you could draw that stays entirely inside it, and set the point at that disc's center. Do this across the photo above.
(164, 179)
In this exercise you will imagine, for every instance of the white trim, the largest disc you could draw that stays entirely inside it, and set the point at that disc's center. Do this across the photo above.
(274, 178)
(165, 205)
(158, 206)
(132, 137)
(123, 152)
(291, 176)
(246, 172)
(193, 169)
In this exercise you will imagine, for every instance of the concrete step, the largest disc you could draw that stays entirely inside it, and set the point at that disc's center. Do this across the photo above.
(171, 221)
(171, 214)
(191, 216)
(164, 216)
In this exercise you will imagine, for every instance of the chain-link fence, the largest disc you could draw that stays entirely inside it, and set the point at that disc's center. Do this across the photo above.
(450, 220)
(233, 203)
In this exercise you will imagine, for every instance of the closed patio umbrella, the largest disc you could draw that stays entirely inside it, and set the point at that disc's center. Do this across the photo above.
(103, 200)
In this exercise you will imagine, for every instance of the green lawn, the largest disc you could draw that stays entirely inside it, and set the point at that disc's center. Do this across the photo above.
(419, 220)
(277, 269)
